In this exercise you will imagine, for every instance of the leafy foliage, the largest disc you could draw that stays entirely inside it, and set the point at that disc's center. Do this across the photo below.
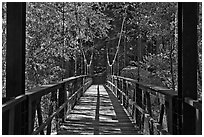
(199, 27)
(53, 37)
(153, 27)
(3, 49)
(55, 30)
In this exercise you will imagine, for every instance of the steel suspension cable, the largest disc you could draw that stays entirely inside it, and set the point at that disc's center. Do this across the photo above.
(89, 64)
(91, 59)
(79, 31)
(110, 65)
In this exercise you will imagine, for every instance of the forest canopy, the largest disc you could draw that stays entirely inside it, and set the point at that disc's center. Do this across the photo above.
(60, 34)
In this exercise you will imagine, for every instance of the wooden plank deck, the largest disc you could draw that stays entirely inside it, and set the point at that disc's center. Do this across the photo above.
(98, 113)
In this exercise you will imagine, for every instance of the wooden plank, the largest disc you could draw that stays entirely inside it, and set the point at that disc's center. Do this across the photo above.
(132, 102)
(98, 113)
(138, 108)
(122, 116)
(49, 119)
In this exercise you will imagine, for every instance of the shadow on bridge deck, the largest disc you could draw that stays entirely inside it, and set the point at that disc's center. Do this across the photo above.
(98, 112)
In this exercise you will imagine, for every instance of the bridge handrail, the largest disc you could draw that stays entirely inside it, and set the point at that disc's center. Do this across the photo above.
(33, 97)
(49, 119)
(160, 89)
(140, 97)
(136, 97)
(40, 90)
(197, 104)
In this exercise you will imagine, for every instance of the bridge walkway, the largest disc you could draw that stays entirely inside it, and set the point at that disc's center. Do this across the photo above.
(98, 112)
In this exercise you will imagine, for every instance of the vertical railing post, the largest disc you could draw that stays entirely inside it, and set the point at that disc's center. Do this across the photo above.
(69, 93)
(134, 100)
(148, 105)
(149, 109)
(122, 89)
(83, 84)
(115, 83)
(122, 96)
(118, 86)
(173, 109)
(49, 126)
(126, 93)
(138, 102)
(39, 114)
(53, 100)
(75, 89)
(112, 82)
(62, 98)
(31, 114)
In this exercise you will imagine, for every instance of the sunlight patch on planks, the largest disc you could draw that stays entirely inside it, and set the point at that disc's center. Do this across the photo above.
(97, 113)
